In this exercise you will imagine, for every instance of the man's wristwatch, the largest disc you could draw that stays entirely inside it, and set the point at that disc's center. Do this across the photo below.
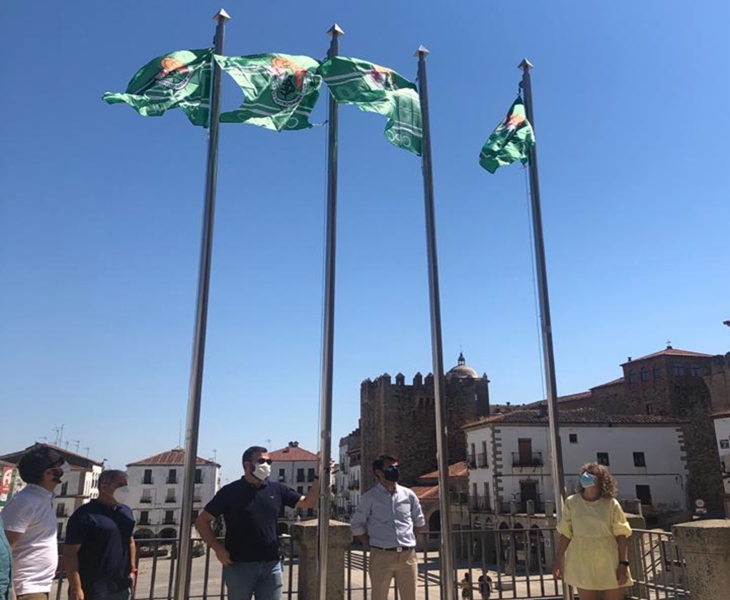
(625, 563)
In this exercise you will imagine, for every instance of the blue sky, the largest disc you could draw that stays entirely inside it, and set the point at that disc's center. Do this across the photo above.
(100, 215)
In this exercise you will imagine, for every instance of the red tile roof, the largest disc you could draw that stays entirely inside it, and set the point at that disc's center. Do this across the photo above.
(292, 453)
(459, 469)
(587, 416)
(425, 491)
(609, 383)
(174, 457)
(669, 351)
(72, 457)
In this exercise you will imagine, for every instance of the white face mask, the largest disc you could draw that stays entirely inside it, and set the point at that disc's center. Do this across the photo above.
(121, 494)
(261, 472)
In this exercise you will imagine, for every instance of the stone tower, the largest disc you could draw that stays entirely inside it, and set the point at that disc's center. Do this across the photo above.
(400, 419)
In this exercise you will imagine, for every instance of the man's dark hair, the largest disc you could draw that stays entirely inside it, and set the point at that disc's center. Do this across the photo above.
(248, 454)
(378, 462)
(35, 461)
(110, 475)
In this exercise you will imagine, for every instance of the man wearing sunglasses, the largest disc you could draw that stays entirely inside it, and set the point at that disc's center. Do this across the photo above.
(385, 522)
(250, 508)
(30, 523)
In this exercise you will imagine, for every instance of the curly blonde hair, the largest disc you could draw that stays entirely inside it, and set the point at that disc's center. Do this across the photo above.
(605, 479)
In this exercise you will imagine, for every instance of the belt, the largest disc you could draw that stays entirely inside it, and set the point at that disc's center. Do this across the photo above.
(395, 549)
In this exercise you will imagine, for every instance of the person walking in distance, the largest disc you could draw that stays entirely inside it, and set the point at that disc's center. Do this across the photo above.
(386, 521)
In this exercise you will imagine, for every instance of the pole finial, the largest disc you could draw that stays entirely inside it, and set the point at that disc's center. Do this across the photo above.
(335, 30)
(222, 15)
(422, 51)
(525, 65)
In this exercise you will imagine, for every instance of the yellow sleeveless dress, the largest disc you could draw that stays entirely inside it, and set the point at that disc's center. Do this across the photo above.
(592, 556)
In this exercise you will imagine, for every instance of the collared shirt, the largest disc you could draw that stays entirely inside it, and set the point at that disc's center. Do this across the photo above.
(105, 534)
(387, 518)
(35, 556)
(250, 514)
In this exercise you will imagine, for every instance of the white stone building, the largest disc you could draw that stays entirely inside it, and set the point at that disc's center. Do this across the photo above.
(295, 467)
(509, 458)
(78, 486)
(722, 433)
(156, 486)
(349, 474)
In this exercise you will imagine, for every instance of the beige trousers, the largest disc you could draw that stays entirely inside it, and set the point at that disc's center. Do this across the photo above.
(385, 565)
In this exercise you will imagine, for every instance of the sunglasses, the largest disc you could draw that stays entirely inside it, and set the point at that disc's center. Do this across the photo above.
(261, 461)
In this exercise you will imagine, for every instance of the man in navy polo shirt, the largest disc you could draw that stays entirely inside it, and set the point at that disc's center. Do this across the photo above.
(99, 553)
(250, 508)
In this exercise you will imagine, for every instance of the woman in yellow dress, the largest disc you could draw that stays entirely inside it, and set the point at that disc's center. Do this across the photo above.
(592, 555)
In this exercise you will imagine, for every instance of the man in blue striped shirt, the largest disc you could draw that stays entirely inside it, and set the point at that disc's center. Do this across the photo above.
(386, 521)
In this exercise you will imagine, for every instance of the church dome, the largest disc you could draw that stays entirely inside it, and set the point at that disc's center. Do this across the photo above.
(462, 370)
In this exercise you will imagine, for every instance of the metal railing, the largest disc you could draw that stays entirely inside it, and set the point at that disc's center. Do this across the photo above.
(514, 563)
(482, 460)
(531, 459)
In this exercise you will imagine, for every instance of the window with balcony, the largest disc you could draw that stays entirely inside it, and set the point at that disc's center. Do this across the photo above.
(602, 458)
(147, 477)
(170, 498)
(169, 517)
(144, 517)
(300, 475)
(525, 457)
(310, 475)
(146, 497)
(172, 476)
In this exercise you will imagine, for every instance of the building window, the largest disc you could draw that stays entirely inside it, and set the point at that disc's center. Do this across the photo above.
(169, 517)
(60, 531)
(147, 477)
(310, 475)
(639, 459)
(198, 475)
(695, 371)
(282, 474)
(644, 374)
(632, 376)
(170, 495)
(172, 476)
(678, 369)
(64, 488)
(300, 475)
(649, 408)
(144, 517)
(656, 372)
(300, 490)
(643, 493)
(573, 438)
(195, 514)
(602, 458)
(724, 444)
(146, 497)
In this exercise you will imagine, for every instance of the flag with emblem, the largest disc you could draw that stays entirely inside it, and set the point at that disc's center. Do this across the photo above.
(373, 88)
(280, 90)
(512, 140)
(176, 80)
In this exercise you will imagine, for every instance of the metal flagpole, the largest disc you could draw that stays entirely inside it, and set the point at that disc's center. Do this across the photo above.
(448, 581)
(556, 456)
(328, 334)
(182, 572)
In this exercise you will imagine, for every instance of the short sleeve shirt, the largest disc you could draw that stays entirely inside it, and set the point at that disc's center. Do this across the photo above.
(250, 514)
(35, 556)
(105, 534)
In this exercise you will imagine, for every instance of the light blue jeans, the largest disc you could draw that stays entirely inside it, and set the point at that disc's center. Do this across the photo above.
(260, 578)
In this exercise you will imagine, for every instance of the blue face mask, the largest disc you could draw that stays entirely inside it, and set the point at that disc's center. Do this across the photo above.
(587, 480)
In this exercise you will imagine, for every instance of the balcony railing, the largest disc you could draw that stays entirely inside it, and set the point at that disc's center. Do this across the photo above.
(480, 503)
(518, 563)
(482, 460)
(471, 461)
(300, 477)
(531, 459)
(145, 500)
(171, 480)
(148, 481)
(170, 500)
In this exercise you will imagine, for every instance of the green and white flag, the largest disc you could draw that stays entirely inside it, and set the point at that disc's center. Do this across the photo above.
(176, 80)
(280, 90)
(512, 140)
(378, 89)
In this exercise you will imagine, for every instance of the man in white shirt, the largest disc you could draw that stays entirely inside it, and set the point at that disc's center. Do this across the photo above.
(386, 521)
(30, 523)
